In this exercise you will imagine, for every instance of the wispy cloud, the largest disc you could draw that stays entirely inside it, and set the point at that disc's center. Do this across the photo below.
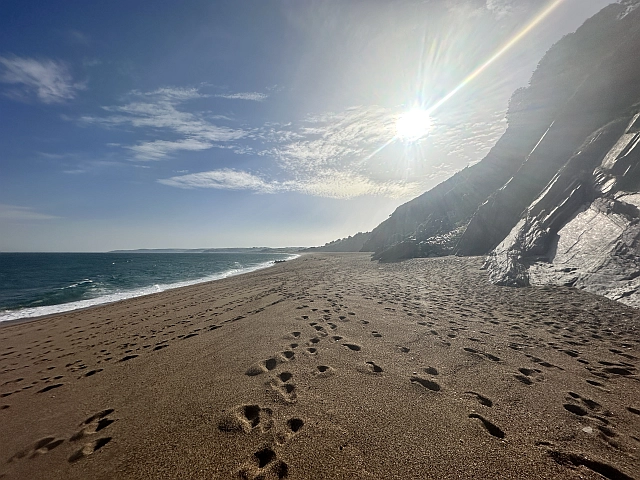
(158, 113)
(331, 184)
(18, 213)
(224, 179)
(159, 149)
(337, 140)
(48, 80)
(500, 8)
(253, 96)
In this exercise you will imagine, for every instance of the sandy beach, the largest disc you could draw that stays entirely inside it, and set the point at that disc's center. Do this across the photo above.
(328, 366)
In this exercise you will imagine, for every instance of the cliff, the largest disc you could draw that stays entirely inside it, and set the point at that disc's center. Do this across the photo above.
(557, 198)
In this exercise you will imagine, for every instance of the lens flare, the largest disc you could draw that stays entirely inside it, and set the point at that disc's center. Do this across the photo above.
(507, 46)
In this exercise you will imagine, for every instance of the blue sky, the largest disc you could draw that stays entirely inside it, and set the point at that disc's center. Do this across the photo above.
(244, 123)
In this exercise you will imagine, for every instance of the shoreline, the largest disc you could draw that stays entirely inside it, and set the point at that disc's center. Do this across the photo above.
(329, 366)
(180, 285)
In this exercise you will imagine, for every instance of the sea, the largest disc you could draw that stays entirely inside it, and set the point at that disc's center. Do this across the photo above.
(35, 284)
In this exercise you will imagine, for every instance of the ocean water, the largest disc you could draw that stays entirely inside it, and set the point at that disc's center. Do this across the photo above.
(34, 284)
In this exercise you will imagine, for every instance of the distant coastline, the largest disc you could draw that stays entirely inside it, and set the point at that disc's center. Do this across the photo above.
(215, 250)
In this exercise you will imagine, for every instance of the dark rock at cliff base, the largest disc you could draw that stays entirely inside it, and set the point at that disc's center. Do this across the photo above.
(348, 244)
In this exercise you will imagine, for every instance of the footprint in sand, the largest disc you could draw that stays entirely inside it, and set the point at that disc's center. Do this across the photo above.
(262, 367)
(370, 368)
(128, 357)
(493, 429)
(263, 464)
(376, 334)
(491, 357)
(93, 424)
(293, 426)
(245, 419)
(428, 384)
(270, 363)
(89, 449)
(595, 383)
(622, 354)
(542, 362)
(352, 346)
(285, 392)
(323, 371)
(287, 355)
(481, 398)
(575, 409)
(527, 375)
(40, 447)
(576, 404)
(284, 388)
(50, 387)
(577, 460)
(635, 411)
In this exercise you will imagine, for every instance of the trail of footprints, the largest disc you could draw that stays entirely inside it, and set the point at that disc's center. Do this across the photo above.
(169, 324)
(398, 298)
(249, 419)
(83, 440)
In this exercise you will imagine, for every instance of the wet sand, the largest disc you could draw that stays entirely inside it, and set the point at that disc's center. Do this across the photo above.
(328, 366)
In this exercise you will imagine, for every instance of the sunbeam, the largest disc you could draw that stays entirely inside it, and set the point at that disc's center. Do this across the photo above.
(506, 47)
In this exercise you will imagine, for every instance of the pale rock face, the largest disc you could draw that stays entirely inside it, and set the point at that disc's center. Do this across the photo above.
(596, 247)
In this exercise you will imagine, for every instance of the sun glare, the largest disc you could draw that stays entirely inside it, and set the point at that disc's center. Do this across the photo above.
(413, 125)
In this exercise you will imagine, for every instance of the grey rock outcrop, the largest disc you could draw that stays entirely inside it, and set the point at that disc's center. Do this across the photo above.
(584, 229)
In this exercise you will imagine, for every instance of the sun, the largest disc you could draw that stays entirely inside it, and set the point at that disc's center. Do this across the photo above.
(413, 125)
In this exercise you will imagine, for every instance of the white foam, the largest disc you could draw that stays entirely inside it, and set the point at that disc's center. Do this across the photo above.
(7, 315)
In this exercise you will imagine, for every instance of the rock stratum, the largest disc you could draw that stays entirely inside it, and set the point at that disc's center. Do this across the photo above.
(557, 199)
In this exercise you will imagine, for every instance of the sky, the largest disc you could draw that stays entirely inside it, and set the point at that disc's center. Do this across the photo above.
(193, 124)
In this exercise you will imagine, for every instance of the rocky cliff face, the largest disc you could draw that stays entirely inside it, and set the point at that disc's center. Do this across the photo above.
(583, 230)
(557, 199)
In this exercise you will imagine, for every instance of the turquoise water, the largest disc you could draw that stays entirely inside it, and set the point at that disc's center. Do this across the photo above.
(34, 284)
